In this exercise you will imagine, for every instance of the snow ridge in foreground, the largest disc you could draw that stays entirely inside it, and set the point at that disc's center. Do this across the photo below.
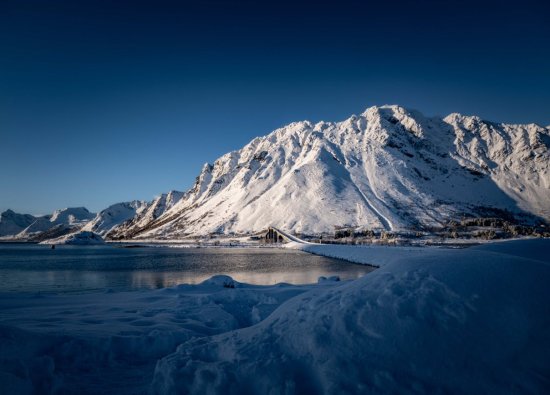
(460, 322)
(442, 321)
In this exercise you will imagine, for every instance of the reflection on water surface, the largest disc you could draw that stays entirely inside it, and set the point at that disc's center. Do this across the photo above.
(36, 268)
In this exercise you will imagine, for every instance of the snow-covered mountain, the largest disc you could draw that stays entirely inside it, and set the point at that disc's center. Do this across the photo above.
(62, 220)
(12, 223)
(71, 220)
(388, 168)
(150, 212)
(134, 214)
(115, 215)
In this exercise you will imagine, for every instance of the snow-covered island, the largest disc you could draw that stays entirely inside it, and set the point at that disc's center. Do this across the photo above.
(448, 321)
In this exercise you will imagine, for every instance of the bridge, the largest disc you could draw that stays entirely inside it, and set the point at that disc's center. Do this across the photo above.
(274, 235)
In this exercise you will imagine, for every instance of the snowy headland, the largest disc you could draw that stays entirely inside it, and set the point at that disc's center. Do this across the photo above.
(460, 321)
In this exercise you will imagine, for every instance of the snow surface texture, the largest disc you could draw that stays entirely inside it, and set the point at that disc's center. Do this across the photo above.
(388, 168)
(470, 321)
(109, 342)
(78, 238)
(446, 321)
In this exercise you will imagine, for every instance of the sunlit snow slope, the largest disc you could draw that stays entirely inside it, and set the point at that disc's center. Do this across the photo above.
(388, 168)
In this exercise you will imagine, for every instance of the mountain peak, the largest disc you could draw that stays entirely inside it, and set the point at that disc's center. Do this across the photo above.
(389, 168)
(72, 214)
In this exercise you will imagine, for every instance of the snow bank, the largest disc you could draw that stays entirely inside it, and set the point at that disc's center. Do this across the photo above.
(109, 342)
(365, 254)
(78, 238)
(438, 321)
(474, 322)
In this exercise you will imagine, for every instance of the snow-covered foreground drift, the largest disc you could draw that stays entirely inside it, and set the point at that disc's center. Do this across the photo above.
(441, 321)
(109, 342)
(469, 321)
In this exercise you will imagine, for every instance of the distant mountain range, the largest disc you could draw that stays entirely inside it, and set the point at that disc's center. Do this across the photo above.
(28, 227)
(388, 169)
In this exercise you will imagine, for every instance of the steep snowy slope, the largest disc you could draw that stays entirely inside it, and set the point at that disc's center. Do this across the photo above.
(114, 215)
(151, 211)
(516, 157)
(69, 218)
(12, 223)
(388, 168)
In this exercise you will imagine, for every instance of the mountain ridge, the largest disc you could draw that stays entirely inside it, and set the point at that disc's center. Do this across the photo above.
(387, 169)
(388, 165)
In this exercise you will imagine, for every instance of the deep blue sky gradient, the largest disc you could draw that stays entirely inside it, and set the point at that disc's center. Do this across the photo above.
(108, 101)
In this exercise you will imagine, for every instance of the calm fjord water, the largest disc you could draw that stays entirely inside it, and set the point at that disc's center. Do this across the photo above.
(37, 268)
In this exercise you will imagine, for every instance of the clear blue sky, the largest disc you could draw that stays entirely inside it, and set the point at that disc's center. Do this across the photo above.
(104, 101)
